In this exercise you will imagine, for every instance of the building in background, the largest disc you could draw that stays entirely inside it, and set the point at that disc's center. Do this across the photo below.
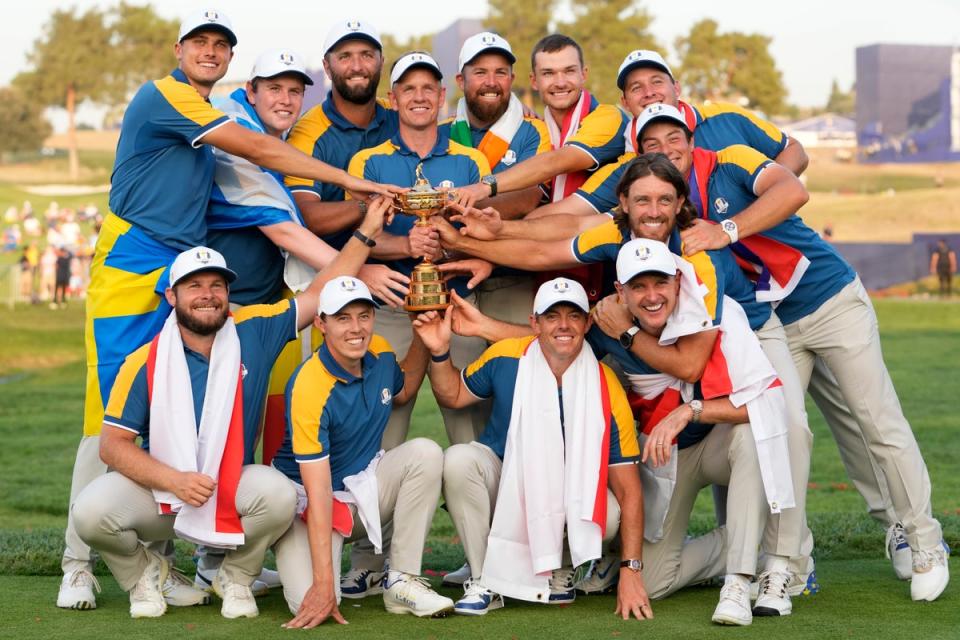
(827, 130)
(908, 103)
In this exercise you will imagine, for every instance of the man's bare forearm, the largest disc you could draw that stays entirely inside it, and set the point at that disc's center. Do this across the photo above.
(325, 218)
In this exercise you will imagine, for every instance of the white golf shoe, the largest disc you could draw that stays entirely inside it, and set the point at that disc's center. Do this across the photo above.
(76, 590)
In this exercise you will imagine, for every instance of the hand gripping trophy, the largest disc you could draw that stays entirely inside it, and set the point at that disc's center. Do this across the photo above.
(428, 292)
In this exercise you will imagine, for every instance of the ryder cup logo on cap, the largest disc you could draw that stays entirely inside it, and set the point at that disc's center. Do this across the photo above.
(350, 30)
(340, 292)
(199, 259)
(560, 290)
(644, 256)
(481, 43)
(207, 19)
(656, 113)
(275, 62)
(413, 60)
(641, 58)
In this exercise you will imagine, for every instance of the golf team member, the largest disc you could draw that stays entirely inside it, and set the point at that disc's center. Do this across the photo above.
(160, 187)
(339, 401)
(416, 93)
(199, 297)
(826, 313)
(491, 118)
(556, 411)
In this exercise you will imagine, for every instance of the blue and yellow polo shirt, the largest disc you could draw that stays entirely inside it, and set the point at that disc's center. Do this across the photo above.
(604, 345)
(600, 133)
(162, 175)
(718, 270)
(394, 163)
(322, 132)
(263, 331)
(332, 413)
(717, 126)
(494, 375)
(530, 139)
(730, 190)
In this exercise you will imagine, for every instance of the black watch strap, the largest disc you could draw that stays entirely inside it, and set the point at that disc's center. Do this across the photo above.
(364, 239)
(636, 565)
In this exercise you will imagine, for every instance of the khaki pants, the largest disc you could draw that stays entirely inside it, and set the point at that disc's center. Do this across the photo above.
(462, 425)
(114, 513)
(507, 298)
(408, 481)
(727, 456)
(471, 479)
(861, 466)
(844, 333)
(86, 468)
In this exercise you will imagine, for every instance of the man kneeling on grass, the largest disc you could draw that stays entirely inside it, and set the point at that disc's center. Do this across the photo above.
(195, 396)
(559, 433)
(339, 402)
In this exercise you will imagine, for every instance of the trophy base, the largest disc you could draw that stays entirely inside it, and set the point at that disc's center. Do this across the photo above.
(428, 291)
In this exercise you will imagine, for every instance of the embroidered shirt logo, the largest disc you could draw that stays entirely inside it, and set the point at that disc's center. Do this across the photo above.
(721, 205)
(510, 157)
(385, 396)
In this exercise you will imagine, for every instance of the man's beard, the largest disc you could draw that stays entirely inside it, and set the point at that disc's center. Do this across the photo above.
(486, 112)
(200, 327)
(356, 95)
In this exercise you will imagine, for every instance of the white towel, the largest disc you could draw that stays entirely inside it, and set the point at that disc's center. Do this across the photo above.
(541, 488)
(176, 440)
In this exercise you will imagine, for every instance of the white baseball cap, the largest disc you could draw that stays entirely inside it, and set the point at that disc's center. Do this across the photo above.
(199, 259)
(641, 58)
(209, 19)
(348, 30)
(559, 290)
(481, 43)
(657, 113)
(644, 256)
(340, 292)
(413, 60)
(277, 62)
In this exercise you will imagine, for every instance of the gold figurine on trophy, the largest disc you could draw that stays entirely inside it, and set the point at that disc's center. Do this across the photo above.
(428, 291)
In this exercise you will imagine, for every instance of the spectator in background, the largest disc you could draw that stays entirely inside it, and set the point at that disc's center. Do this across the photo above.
(12, 215)
(52, 214)
(54, 235)
(48, 272)
(62, 281)
(70, 229)
(90, 212)
(11, 238)
(943, 264)
(31, 226)
(28, 272)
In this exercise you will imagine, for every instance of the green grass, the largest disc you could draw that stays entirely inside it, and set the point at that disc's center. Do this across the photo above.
(41, 395)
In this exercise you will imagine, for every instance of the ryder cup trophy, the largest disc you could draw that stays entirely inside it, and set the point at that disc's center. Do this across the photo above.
(428, 292)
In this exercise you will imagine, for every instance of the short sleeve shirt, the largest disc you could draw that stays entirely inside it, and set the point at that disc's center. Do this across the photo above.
(263, 331)
(530, 139)
(494, 375)
(600, 133)
(162, 175)
(334, 414)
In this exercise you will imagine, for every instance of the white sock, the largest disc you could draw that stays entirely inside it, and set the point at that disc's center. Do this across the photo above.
(777, 564)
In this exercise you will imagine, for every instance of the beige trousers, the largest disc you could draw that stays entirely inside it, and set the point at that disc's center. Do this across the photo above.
(408, 481)
(844, 333)
(507, 298)
(727, 456)
(86, 468)
(114, 514)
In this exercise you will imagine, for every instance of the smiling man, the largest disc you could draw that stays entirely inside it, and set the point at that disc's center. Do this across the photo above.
(160, 188)
(559, 419)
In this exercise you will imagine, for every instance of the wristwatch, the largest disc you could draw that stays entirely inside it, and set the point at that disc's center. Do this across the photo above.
(491, 181)
(730, 228)
(626, 338)
(633, 565)
(697, 406)
(362, 205)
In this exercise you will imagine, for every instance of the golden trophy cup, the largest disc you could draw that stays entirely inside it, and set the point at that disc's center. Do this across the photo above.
(428, 291)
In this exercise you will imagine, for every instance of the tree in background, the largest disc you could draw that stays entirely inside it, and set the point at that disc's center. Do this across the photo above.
(22, 125)
(99, 56)
(729, 66)
(842, 102)
(608, 30)
(522, 24)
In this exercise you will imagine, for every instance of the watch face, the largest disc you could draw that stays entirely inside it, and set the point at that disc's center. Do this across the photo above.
(729, 225)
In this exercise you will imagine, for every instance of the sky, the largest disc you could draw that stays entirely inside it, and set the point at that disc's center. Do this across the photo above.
(813, 40)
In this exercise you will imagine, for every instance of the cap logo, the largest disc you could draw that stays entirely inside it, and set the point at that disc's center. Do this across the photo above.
(560, 287)
(348, 284)
(635, 55)
(643, 253)
(353, 25)
(721, 205)
(203, 256)
(655, 109)
(286, 58)
(211, 15)
(488, 39)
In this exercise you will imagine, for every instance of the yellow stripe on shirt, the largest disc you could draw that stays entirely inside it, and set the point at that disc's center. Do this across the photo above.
(304, 136)
(606, 233)
(747, 158)
(508, 348)
(457, 149)
(720, 108)
(124, 380)
(620, 408)
(707, 273)
(187, 102)
(599, 127)
(308, 398)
